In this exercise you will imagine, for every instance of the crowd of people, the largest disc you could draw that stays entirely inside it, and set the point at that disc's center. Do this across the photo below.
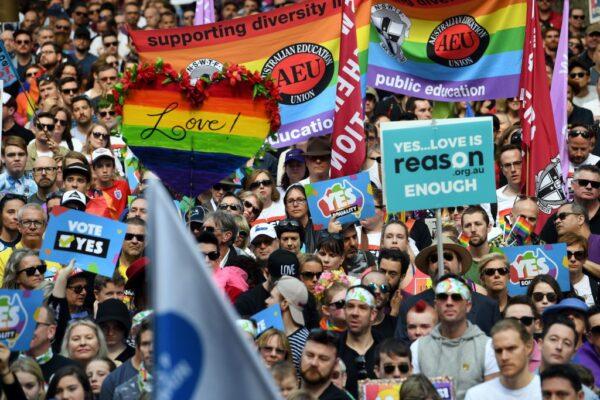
(362, 300)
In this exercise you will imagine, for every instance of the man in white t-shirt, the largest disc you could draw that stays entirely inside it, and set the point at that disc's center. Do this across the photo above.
(511, 165)
(512, 345)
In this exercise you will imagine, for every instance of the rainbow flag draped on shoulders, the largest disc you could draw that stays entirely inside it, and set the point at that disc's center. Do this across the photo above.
(452, 50)
(297, 45)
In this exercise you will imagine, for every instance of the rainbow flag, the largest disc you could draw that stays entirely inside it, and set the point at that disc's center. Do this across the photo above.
(298, 45)
(463, 239)
(455, 50)
(520, 234)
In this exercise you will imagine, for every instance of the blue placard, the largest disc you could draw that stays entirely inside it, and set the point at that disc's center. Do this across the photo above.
(94, 242)
(349, 198)
(8, 74)
(18, 308)
(268, 318)
(436, 164)
(526, 262)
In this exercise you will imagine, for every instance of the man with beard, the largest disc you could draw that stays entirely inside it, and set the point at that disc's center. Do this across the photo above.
(44, 174)
(50, 57)
(133, 245)
(318, 362)
(357, 344)
(81, 56)
(551, 44)
(512, 345)
(384, 323)
(69, 88)
(476, 225)
(355, 261)
(394, 264)
(23, 52)
(82, 114)
(43, 145)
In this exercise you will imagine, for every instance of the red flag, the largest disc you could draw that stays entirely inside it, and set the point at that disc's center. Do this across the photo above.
(348, 139)
(543, 178)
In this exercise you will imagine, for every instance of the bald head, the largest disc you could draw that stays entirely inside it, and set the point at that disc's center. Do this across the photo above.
(44, 173)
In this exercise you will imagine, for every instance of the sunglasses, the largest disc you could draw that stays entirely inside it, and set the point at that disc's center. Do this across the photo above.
(219, 188)
(269, 349)
(257, 184)
(390, 368)
(583, 134)
(62, 27)
(378, 159)
(108, 79)
(286, 223)
(41, 127)
(595, 330)
(77, 289)
(579, 17)
(444, 297)
(60, 122)
(22, 41)
(574, 75)
(242, 234)
(492, 271)
(539, 296)
(31, 270)
(104, 114)
(384, 288)
(99, 135)
(80, 13)
(212, 255)
(209, 229)
(138, 236)
(433, 258)
(338, 304)
(31, 74)
(111, 44)
(232, 207)
(69, 91)
(458, 209)
(563, 215)
(586, 182)
(579, 255)
(526, 321)
(310, 275)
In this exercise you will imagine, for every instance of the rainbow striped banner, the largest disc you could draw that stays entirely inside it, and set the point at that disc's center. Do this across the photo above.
(298, 45)
(453, 50)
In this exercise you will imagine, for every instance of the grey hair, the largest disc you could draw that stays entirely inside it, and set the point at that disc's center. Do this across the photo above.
(31, 206)
(12, 267)
(225, 222)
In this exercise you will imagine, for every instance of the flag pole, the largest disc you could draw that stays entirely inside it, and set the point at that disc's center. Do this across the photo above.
(527, 154)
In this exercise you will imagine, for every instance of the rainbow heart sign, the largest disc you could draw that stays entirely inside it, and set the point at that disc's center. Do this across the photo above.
(194, 131)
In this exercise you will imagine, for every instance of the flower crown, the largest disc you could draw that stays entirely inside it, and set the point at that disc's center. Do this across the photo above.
(328, 278)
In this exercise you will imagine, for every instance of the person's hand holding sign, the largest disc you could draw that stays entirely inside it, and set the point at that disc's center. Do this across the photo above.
(60, 285)
(334, 226)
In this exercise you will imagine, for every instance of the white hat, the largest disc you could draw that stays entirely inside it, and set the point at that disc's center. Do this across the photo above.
(74, 196)
(5, 98)
(102, 152)
(296, 294)
(262, 229)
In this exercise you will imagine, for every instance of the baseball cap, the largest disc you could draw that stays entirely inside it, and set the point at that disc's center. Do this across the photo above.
(262, 229)
(79, 169)
(569, 303)
(283, 262)
(5, 98)
(82, 33)
(197, 214)
(592, 28)
(296, 294)
(294, 155)
(102, 153)
(74, 196)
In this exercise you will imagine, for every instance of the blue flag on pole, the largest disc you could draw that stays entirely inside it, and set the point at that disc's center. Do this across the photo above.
(199, 351)
(7, 69)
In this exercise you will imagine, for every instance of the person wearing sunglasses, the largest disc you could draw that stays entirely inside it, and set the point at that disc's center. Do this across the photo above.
(333, 306)
(583, 284)
(274, 347)
(208, 244)
(580, 141)
(310, 270)
(576, 22)
(384, 323)
(62, 128)
(263, 241)
(231, 204)
(23, 51)
(468, 354)
(261, 183)
(579, 75)
(392, 360)
(44, 144)
(544, 292)
(318, 159)
(195, 220)
(223, 226)
(521, 309)
(494, 271)
(133, 245)
(71, 287)
(24, 270)
(290, 235)
(252, 205)
(69, 88)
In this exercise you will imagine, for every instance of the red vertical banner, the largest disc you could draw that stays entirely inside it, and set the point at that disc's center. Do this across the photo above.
(348, 138)
(543, 179)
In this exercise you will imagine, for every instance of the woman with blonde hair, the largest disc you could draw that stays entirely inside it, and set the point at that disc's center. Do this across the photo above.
(262, 184)
(273, 346)
(30, 377)
(84, 341)
(99, 137)
(24, 270)
(253, 205)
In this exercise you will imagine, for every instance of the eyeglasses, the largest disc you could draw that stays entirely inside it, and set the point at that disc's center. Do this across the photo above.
(384, 287)
(111, 44)
(492, 271)
(41, 170)
(93, 11)
(31, 270)
(100, 135)
(448, 256)
(526, 321)
(62, 27)
(60, 122)
(41, 127)
(563, 215)
(140, 237)
(514, 164)
(257, 184)
(586, 182)
(31, 74)
(212, 255)
(22, 41)
(255, 210)
(458, 209)
(378, 159)
(595, 330)
(578, 254)
(108, 79)
(80, 13)
(69, 91)
(338, 304)
(104, 114)
(583, 134)
(210, 229)
(444, 297)
(390, 368)
(77, 289)
(32, 223)
(539, 296)
(269, 349)
(232, 207)
(574, 75)
(295, 202)
(310, 275)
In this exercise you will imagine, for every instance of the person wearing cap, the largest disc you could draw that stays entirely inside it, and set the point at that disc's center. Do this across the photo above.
(263, 241)
(467, 353)
(137, 283)
(195, 220)
(280, 263)
(579, 73)
(592, 38)
(484, 311)
(74, 200)
(223, 226)
(294, 168)
(14, 179)
(116, 191)
(9, 125)
(114, 320)
(291, 295)
(77, 176)
(318, 159)
(290, 235)
(133, 245)
(357, 344)
(573, 309)
(81, 56)
(44, 171)
(217, 191)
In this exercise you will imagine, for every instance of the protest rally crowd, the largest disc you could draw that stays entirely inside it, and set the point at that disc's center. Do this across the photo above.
(363, 300)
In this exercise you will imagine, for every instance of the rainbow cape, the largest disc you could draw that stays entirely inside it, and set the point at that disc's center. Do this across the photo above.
(454, 50)
(298, 45)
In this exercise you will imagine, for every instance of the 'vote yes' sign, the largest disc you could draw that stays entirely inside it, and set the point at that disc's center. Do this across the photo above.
(449, 162)
(94, 242)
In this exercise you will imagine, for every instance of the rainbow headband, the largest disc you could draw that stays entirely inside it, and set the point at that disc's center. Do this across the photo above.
(453, 285)
(360, 294)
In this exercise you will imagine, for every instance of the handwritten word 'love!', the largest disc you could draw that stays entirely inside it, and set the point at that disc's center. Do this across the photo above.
(178, 132)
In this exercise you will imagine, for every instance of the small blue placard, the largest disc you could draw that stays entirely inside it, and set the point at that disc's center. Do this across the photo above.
(18, 309)
(268, 318)
(526, 262)
(436, 164)
(349, 198)
(94, 242)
